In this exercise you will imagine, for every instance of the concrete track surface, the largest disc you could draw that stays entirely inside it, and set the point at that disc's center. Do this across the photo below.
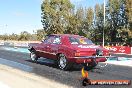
(14, 78)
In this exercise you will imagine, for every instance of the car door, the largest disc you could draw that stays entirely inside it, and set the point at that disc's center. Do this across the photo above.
(40, 49)
(50, 47)
(45, 47)
(54, 46)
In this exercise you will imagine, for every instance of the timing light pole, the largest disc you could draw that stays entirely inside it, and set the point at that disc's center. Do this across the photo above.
(104, 23)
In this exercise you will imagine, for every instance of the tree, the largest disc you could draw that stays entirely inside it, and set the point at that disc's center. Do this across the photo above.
(55, 14)
(40, 34)
(89, 22)
(24, 36)
(13, 36)
(118, 20)
(128, 11)
(75, 21)
(113, 12)
(98, 22)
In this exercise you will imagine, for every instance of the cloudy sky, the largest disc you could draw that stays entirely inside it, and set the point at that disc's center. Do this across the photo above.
(25, 15)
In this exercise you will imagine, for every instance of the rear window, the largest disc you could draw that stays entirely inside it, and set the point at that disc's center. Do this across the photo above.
(80, 40)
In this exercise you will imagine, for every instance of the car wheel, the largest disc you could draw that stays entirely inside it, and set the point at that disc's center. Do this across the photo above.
(63, 63)
(33, 56)
(90, 66)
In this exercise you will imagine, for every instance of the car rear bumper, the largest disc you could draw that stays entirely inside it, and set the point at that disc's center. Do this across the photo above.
(88, 59)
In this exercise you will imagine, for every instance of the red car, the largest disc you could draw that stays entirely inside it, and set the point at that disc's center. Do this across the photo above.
(67, 49)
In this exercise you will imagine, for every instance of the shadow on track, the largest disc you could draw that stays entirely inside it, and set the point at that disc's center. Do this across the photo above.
(76, 67)
(51, 63)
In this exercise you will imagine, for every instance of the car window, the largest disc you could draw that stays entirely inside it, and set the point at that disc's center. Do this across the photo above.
(56, 40)
(80, 40)
(48, 40)
(73, 40)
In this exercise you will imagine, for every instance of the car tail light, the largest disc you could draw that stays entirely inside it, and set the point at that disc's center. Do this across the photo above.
(77, 54)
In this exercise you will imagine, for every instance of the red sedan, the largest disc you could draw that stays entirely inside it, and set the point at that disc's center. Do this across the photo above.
(67, 49)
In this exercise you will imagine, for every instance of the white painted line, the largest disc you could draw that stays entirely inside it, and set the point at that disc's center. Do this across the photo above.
(122, 63)
(2, 85)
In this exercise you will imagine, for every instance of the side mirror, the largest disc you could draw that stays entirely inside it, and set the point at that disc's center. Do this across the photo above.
(42, 40)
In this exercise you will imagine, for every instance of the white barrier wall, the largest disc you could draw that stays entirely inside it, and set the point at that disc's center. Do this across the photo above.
(1, 43)
(21, 44)
(17, 43)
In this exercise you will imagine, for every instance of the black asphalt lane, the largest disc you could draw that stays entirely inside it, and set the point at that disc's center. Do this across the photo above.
(46, 68)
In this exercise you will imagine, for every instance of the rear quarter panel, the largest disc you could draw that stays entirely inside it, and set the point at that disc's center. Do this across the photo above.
(65, 47)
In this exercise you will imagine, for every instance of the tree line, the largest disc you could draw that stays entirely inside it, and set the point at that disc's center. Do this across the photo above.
(61, 17)
(24, 36)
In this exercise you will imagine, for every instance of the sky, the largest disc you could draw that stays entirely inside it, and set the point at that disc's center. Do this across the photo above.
(25, 15)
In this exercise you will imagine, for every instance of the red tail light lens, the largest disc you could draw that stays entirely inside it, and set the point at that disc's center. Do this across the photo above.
(77, 54)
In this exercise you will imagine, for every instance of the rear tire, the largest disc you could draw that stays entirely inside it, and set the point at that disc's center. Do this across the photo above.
(63, 63)
(33, 56)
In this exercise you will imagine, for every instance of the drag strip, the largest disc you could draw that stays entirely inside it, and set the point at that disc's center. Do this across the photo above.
(46, 68)
(15, 65)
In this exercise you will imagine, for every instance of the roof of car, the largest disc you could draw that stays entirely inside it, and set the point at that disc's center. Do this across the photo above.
(72, 35)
